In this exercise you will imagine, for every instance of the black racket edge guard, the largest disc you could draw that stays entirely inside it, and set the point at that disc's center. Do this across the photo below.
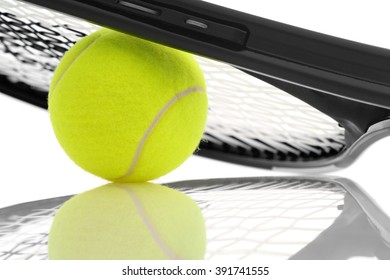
(23, 92)
(328, 64)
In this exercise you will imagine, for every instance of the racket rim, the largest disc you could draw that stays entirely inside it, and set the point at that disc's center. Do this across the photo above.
(255, 54)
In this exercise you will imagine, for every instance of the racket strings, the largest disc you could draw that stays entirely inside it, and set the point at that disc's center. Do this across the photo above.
(33, 40)
(25, 237)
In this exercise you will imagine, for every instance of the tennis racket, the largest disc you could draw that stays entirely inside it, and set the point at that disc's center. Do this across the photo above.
(273, 103)
(246, 219)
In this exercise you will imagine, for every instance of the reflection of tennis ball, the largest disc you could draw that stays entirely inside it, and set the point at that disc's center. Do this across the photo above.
(126, 109)
(129, 221)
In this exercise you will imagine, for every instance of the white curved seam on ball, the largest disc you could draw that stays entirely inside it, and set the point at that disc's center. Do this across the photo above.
(149, 130)
(73, 60)
(149, 225)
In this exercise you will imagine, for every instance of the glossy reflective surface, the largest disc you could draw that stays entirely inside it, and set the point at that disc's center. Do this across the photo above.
(246, 218)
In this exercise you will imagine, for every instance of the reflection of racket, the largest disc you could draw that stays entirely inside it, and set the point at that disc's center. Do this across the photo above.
(360, 230)
(246, 218)
(250, 121)
(366, 243)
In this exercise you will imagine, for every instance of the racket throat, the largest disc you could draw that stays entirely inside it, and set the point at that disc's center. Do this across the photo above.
(355, 117)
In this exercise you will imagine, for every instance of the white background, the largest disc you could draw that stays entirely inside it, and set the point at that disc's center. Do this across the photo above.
(33, 166)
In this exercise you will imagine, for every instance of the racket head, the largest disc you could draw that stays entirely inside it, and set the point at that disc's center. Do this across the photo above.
(250, 122)
(246, 219)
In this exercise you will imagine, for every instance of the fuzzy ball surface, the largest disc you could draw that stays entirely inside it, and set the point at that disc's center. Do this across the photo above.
(126, 109)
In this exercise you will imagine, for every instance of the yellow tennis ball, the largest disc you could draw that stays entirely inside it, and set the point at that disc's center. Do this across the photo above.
(126, 109)
(135, 221)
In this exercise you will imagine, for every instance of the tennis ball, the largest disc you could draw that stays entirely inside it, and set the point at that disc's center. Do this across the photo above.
(135, 221)
(126, 109)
